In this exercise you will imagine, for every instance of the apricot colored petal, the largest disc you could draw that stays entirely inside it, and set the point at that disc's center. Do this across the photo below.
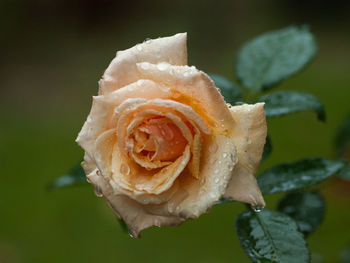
(194, 88)
(122, 70)
(216, 171)
(99, 119)
(135, 215)
(249, 136)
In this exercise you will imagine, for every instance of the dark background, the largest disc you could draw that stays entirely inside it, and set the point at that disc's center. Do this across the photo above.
(52, 55)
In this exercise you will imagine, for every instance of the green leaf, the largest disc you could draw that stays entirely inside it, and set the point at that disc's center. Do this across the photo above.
(274, 56)
(75, 176)
(267, 149)
(306, 208)
(271, 236)
(229, 90)
(344, 256)
(342, 139)
(286, 102)
(296, 175)
(345, 173)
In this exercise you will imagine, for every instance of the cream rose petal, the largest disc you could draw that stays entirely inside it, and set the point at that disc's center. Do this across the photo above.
(191, 86)
(249, 136)
(136, 215)
(122, 70)
(217, 162)
(99, 119)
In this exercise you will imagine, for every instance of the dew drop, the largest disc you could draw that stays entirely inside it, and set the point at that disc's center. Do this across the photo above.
(98, 172)
(224, 155)
(140, 82)
(212, 195)
(257, 209)
(139, 47)
(178, 208)
(171, 207)
(216, 180)
(213, 148)
(145, 65)
(124, 169)
(98, 191)
(132, 235)
(216, 171)
(162, 66)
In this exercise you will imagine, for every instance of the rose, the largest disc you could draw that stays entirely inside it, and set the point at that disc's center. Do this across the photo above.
(161, 145)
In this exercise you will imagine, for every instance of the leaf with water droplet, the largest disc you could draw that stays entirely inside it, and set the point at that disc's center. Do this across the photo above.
(271, 236)
(296, 175)
(345, 172)
(75, 176)
(306, 208)
(285, 102)
(272, 57)
(230, 91)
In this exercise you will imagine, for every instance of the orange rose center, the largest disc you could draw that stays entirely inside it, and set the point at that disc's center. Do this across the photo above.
(159, 139)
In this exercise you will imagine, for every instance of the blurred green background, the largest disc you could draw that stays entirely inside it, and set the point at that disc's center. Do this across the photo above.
(52, 55)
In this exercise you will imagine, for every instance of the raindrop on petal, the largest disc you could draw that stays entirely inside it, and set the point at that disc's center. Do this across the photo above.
(124, 169)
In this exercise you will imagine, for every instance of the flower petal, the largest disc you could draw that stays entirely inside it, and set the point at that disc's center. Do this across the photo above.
(194, 88)
(217, 161)
(122, 70)
(99, 119)
(136, 215)
(249, 135)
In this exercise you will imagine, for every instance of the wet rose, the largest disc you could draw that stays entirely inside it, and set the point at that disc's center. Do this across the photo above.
(161, 145)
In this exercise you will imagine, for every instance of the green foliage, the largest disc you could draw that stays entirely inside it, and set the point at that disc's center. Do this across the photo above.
(267, 149)
(75, 176)
(345, 172)
(271, 236)
(342, 139)
(344, 256)
(228, 89)
(285, 102)
(306, 208)
(272, 57)
(296, 175)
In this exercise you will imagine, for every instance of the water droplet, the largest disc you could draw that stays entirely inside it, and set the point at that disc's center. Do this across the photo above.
(178, 208)
(140, 82)
(157, 222)
(162, 66)
(220, 162)
(216, 180)
(213, 147)
(216, 171)
(124, 169)
(145, 65)
(98, 191)
(202, 181)
(186, 74)
(131, 234)
(98, 172)
(212, 195)
(171, 207)
(257, 209)
(224, 155)
(139, 47)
